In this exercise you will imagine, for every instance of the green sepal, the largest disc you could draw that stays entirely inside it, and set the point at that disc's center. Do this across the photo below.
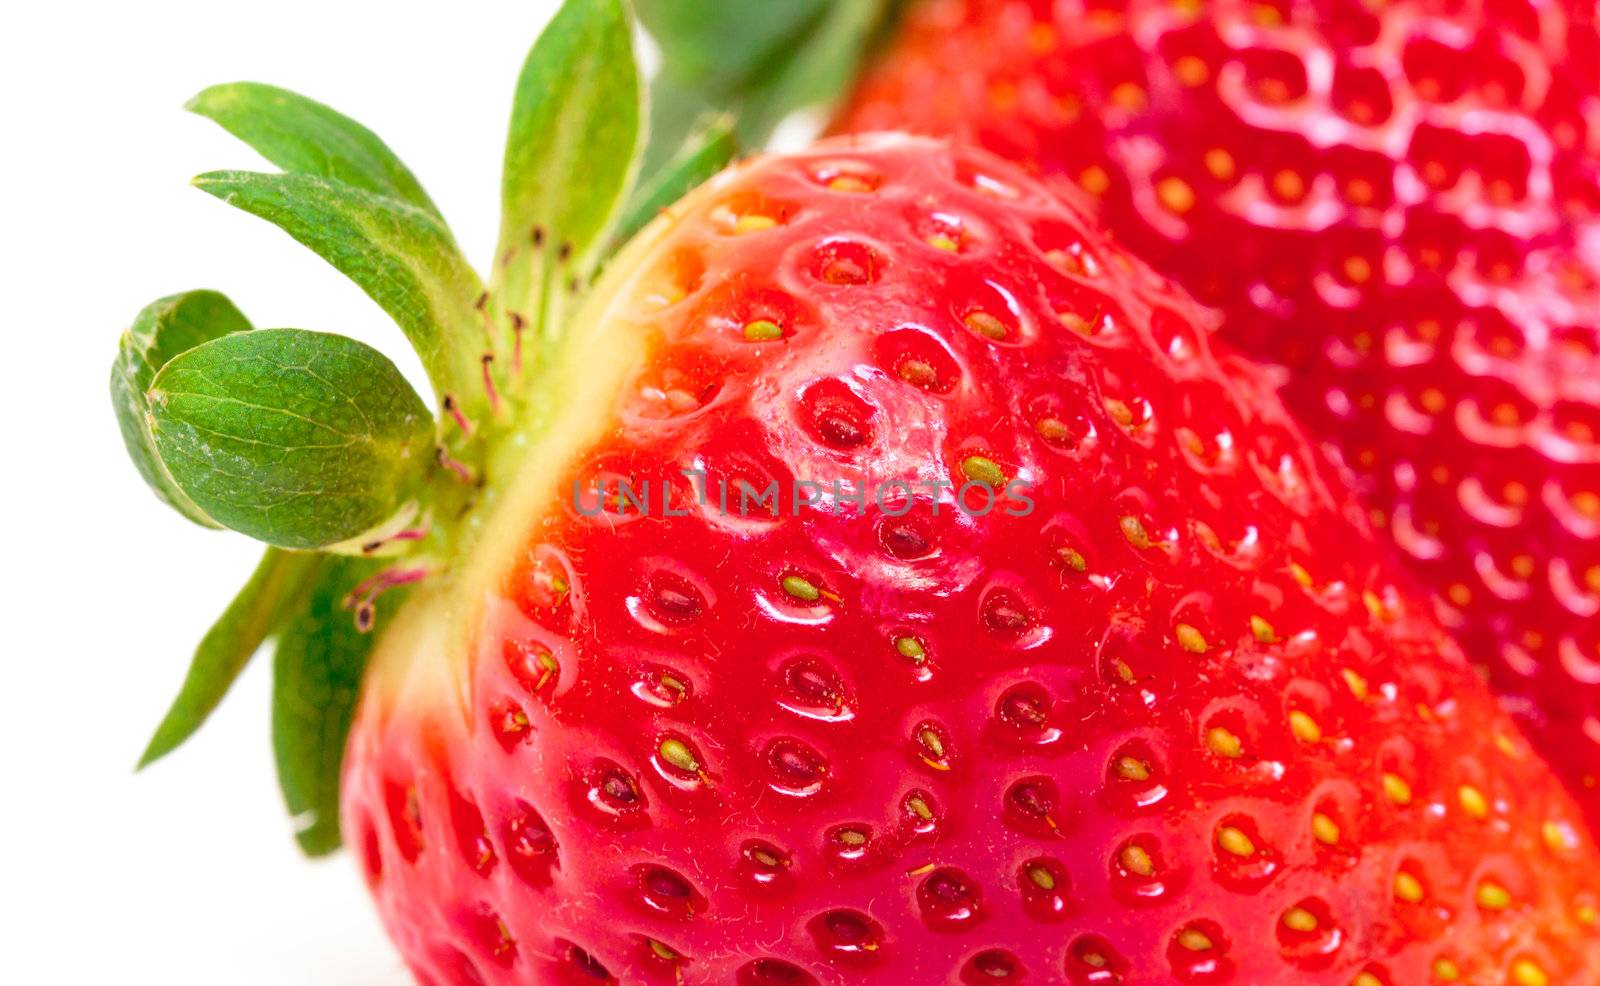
(299, 439)
(707, 151)
(316, 681)
(303, 136)
(161, 331)
(762, 59)
(278, 586)
(401, 255)
(576, 135)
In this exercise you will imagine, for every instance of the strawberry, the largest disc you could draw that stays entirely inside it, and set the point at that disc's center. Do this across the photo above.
(876, 577)
(1399, 203)
(1170, 719)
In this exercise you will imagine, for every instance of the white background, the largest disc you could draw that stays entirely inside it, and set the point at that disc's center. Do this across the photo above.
(186, 874)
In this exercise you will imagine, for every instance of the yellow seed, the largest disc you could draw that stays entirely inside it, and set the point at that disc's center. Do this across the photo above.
(918, 374)
(1357, 269)
(1289, 185)
(1052, 429)
(1493, 897)
(1220, 164)
(1077, 323)
(1234, 841)
(663, 951)
(1374, 604)
(1396, 789)
(1175, 194)
(911, 649)
(986, 325)
(1041, 877)
(1130, 769)
(1223, 743)
(1072, 559)
(1137, 861)
(762, 330)
(1559, 837)
(1588, 915)
(1094, 959)
(1128, 96)
(932, 743)
(1407, 887)
(1525, 972)
(1300, 575)
(1324, 829)
(1191, 70)
(1267, 15)
(1446, 971)
(1473, 802)
(850, 183)
(919, 807)
(983, 470)
(799, 587)
(1134, 531)
(1304, 727)
(754, 223)
(852, 837)
(1503, 743)
(1356, 684)
(1194, 940)
(1124, 672)
(1190, 639)
(678, 754)
(1094, 180)
(939, 241)
(1299, 919)
(1041, 38)
(1366, 979)
(1262, 630)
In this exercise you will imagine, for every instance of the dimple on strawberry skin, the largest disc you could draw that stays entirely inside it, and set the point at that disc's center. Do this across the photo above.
(1181, 721)
(1399, 202)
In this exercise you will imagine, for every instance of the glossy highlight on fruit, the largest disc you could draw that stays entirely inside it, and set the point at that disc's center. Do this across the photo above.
(1399, 202)
(1181, 722)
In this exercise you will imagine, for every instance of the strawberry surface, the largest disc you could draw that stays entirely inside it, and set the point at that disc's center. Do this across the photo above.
(1161, 711)
(1395, 201)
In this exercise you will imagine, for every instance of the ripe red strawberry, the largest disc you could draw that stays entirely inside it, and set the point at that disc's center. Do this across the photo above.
(1396, 201)
(1174, 723)
(1078, 670)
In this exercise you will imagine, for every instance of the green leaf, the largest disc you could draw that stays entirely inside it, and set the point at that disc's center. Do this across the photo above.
(401, 255)
(706, 152)
(576, 134)
(317, 671)
(764, 59)
(161, 331)
(279, 585)
(303, 136)
(299, 439)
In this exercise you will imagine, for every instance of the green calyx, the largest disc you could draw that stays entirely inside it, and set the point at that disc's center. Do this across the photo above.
(314, 443)
(761, 59)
